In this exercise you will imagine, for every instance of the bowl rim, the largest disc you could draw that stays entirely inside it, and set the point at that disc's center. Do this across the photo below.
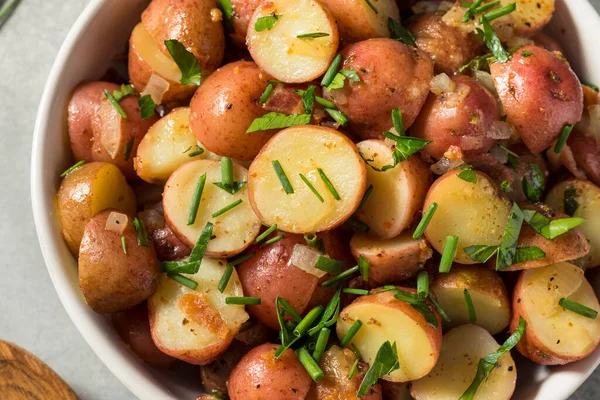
(123, 366)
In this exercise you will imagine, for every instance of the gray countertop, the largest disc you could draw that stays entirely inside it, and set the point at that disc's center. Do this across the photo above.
(30, 312)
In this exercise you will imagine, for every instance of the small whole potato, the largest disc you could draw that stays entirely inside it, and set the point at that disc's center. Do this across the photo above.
(214, 376)
(586, 152)
(112, 278)
(392, 75)
(540, 94)
(242, 12)
(460, 118)
(449, 47)
(259, 375)
(224, 107)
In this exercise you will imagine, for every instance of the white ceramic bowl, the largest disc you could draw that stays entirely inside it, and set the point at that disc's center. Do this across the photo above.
(104, 28)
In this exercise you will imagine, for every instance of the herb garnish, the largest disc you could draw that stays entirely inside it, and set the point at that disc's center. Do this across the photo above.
(186, 61)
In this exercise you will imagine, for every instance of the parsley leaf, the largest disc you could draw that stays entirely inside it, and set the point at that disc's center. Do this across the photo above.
(505, 186)
(147, 106)
(126, 90)
(400, 33)
(529, 253)
(570, 200)
(337, 82)
(480, 253)
(467, 174)
(350, 74)
(266, 23)
(231, 189)
(308, 98)
(551, 229)
(385, 362)
(186, 61)
(507, 252)
(535, 189)
(275, 120)
(492, 41)
(227, 9)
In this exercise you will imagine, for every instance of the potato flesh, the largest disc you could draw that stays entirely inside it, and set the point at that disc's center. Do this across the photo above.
(234, 230)
(149, 51)
(167, 146)
(462, 348)
(379, 20)
(562, 331)
(284, 56)
(382, 323)
(588, 198)
(301, 150)
(531, 15)
(474, 212)
(173, 331)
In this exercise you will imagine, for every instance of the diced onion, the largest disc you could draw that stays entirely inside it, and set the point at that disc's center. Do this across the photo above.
(442, 84)
(116, 222)
(452, 158)
(458, 96)
(500, 130)
(486, 80)
(156, 88)
(499, 154)
(305, 258)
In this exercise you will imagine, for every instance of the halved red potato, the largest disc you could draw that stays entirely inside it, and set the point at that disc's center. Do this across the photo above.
(554, 335)
(233, 231)
(224, 107)
(488, 293)
(386, 318)
(392, 260)
(475, 212)
(357, 20)
(214, 376)
(167, 146)
(546, 42)
(259, 375)
(280, 52)
(587, 196)
(306, 150)
(392, 75)
(462, 348)
(196, 326)
(586, 153)
(402, 189)
(531, 15)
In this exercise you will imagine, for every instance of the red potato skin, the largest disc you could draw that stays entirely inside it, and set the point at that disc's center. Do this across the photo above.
(260, 376)
(540, 94)
(224, 107)
(391, 75)
(449, 47)
(447, 120)
(546, 42)
(242, 12)
(586, 152)
(133, 327)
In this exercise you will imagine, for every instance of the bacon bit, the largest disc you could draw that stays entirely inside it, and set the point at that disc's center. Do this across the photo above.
(196, 307)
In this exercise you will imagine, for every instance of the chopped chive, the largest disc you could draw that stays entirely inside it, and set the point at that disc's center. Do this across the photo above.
(314, 35)
(423, 284)
(332, 70)
(188, 149)
(510, 152)
(321, 344)
(353, 370)
(142, 234)
(562, 139)
(337, 116)
(470, 308)
(341, 277)
(439, 309)
(329, 185)
(200, 247)
(304, 325)
(483, 7)
(578, 308)
(243, 258)
(365, 198)
(361, 226)
(233, 189)
(312, 240)
(425, 221)
(242, 300)
(226, 172)
(448, 253)
(271, 241)
(266, 94)
(183, 280)
(124, 244)
(329, 265)
(266, 233)
(309, 363)
(128, 148)
(115, 104)
(360, 292)
(371, 6)
(325, 103)
(500, 12)
(312, 188)
(227, 208)
(225, 278)
(287, 307)
(199, 150)
(356, 351)
(73, 168)
(287, 186)
(363, 266)
(350, 333)
(196, 199)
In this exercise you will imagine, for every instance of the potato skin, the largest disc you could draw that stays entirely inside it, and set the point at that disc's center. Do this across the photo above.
(111, 280)
(214, 376)
(391, 75)
(260, 376)
(242, 12)
(456, 119)
(586, 152)
(224, 107)
(540, 94)
(548, 43)
(449, 47)
(133, 327)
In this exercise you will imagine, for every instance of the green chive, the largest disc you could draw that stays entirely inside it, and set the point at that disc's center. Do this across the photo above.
(227, 208)
(423, 284)
(325, 103)
(341, 277)
(183, 280)
(287, 307)
(199, 150)
(351, 332)
(196, 200)
(321, 344)
(287, 186)
(364, 266)
(124, 244)
(312, 188)
(500, 12)
(226, 172)
(332, 70)
(128, 148)
(483, 7)
(578, 308)
(199, 249)
(439, 309)
(242, 300)
(359, 225)
(73, 168)
(312, 240)
(562, 139)
(510, 152)
(142, 234)
(225, 278)
(329, 265)
(304, 325)
(266, 233)
(329, 185)
(115, 104)
(360, 292)
(266, 94)
(337, 116)
(371, 6)
(243, 258)
(448, 253)
(309, 363)
(365, 197)
(312, 35)
(271, 241)
(353, 370)
(470, 308)
(356, 351)
(425, 221)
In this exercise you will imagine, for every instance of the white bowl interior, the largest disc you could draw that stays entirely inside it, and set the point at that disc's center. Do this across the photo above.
(101, 31)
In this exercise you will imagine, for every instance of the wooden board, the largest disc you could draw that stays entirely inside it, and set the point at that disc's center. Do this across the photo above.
(23, 376)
